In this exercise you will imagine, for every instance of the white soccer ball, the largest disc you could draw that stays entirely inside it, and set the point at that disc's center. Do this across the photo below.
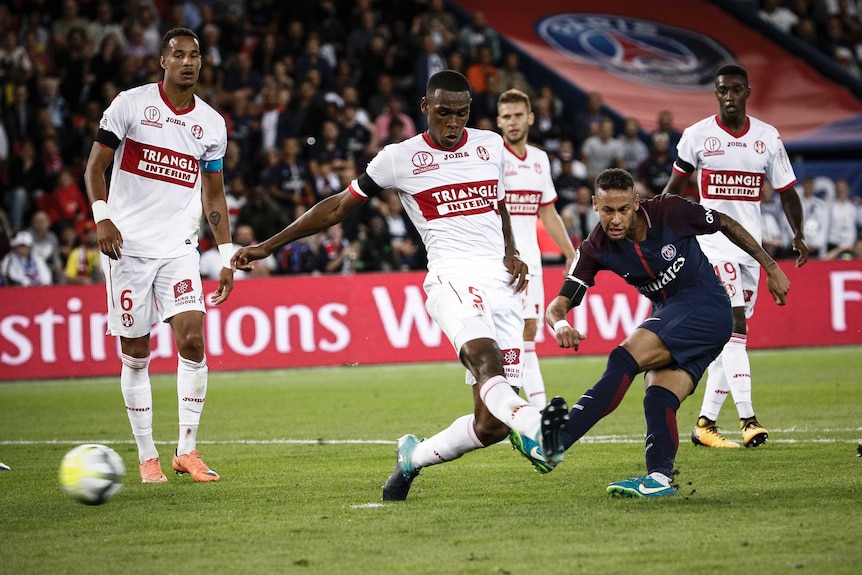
(92, 474)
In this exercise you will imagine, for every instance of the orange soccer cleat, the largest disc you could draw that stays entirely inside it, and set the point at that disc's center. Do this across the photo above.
(191, 463)
(151, 471)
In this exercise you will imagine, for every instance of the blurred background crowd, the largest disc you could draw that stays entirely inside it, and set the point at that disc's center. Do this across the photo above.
(310, 94)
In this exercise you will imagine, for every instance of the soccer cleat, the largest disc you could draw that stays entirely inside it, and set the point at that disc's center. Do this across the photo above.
(397, 486)
(530, 449)
(191, 463)
(554, 418)
(752, 434)
(151, 471)
(4, 467)
(643, 486)
(706, 434)
(858, 450)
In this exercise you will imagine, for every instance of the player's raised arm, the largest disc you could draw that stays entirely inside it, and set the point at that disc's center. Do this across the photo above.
(776, 280)
(320, 216)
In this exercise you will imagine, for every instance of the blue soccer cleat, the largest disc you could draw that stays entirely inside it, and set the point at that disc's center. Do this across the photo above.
(643, 486)
(530, 449)
(397, 486)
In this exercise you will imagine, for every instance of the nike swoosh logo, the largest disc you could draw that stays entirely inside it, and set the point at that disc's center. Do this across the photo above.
(536, 454)
(652, 319)
(650, 490)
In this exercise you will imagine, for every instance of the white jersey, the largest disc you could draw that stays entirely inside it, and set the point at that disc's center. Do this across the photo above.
(528, 186)
(155, 194)
(451, 197)
(730, 171)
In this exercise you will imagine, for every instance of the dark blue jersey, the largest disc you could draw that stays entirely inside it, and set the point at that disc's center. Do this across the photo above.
(668, 262)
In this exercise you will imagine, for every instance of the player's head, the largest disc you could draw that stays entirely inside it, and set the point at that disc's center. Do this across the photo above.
(732, 92)
(447, 105)
(616, 203)
(514, 115)
(181, 57)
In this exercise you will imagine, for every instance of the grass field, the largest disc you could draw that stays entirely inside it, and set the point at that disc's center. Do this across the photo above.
(303, 453)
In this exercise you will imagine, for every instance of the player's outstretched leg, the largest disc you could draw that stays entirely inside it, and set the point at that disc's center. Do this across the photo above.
(752, 433)
(397, 486)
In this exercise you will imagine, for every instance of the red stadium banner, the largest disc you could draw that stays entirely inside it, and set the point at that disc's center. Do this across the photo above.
(285, 322)
(649, 56)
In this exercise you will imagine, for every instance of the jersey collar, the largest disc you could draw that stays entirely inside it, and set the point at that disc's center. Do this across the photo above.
(171, 106)
(456, 147)
(731, 132)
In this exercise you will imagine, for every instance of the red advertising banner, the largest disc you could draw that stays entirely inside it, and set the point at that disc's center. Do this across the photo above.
(649, 56)
(59, 332)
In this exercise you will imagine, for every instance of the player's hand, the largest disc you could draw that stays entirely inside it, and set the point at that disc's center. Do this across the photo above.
(520, 273)
(555, 315)
(800, 247)
(225, 286)
(110, 239)
(778, 284)
(567, 336)
(243, 257)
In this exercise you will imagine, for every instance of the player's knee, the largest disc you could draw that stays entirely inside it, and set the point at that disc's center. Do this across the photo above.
(490, 430)
(191, 345)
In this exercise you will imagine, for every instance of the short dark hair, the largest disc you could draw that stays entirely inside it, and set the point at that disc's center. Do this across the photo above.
(732, 70)
(174, 32)
(614, 179)
(448, 80)
(513, 96)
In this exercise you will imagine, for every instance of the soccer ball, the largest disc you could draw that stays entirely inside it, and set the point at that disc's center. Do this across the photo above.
(92, 474)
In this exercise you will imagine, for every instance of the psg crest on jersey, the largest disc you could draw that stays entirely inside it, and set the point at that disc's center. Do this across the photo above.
(639, 50)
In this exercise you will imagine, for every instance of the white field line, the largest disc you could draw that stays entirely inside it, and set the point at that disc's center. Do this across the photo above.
(790, 435)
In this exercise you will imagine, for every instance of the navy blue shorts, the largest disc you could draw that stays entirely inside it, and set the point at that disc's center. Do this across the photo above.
(694, 327)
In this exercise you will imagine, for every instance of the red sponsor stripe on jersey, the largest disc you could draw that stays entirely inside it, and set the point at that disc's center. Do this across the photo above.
(731, 185)
(523, 202)
(461, 199)
(157, 163)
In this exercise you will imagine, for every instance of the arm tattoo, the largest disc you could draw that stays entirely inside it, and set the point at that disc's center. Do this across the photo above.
(214, 218)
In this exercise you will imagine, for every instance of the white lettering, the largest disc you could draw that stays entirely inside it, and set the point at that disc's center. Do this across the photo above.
(282, 327)
(398, 329)
(620, 320)
(16, 338)
(840, 295)
(76, 330)
(46, 322)
(262, 330)
(327, 319)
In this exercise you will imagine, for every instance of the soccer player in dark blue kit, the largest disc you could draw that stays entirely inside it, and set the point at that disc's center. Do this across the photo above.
(652, 245)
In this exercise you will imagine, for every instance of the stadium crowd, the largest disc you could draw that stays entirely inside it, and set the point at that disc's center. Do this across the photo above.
(309, 95)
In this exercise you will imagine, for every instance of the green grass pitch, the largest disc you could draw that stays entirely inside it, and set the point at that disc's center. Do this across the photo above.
(303, 454)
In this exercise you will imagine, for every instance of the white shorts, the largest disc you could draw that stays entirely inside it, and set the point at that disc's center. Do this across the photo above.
(480, 308)
(533, 298)
(143, 291)
(740, 281)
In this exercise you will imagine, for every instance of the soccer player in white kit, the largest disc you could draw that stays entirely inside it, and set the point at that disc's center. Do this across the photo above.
(529, 193)
(731, 155)
(167, 146)
(449, 179)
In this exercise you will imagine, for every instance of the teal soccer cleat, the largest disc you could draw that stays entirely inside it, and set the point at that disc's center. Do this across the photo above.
(643, 486)
(531, 450)
(397, 486)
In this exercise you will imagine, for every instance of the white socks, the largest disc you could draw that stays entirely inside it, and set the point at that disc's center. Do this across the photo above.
(451, 443)
(509, 407)
(729, 373)
(138, 397)
(532, 380)
(191, 393)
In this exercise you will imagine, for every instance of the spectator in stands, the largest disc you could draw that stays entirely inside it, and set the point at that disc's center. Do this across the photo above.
(438, 22)
(654, 172)
(325, 181)
(511, 75)
(105, 64)
(428, 61)
(376, 253)
(477, 34)
(602, 151)
(771, 206)
(20, 267)
(20, 116)
(211, 262)
(84, 264)
(311, 59)
(26, 184)
(394, 110)
(239, 75)
(69, 19)
(587, 122)
(774, 12)
(580, 216)
(337, 254)
(236, 194)
(634, 150)
(357, 139)
(569, 179)
(308, 108)
(405, 240)
(263, 215)
(46, 245)
(381, 94)
(815, 214)
(664, 120)
(360, 36)
(105, 25)
(288, 181)
(845, 217)
(547, 130)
